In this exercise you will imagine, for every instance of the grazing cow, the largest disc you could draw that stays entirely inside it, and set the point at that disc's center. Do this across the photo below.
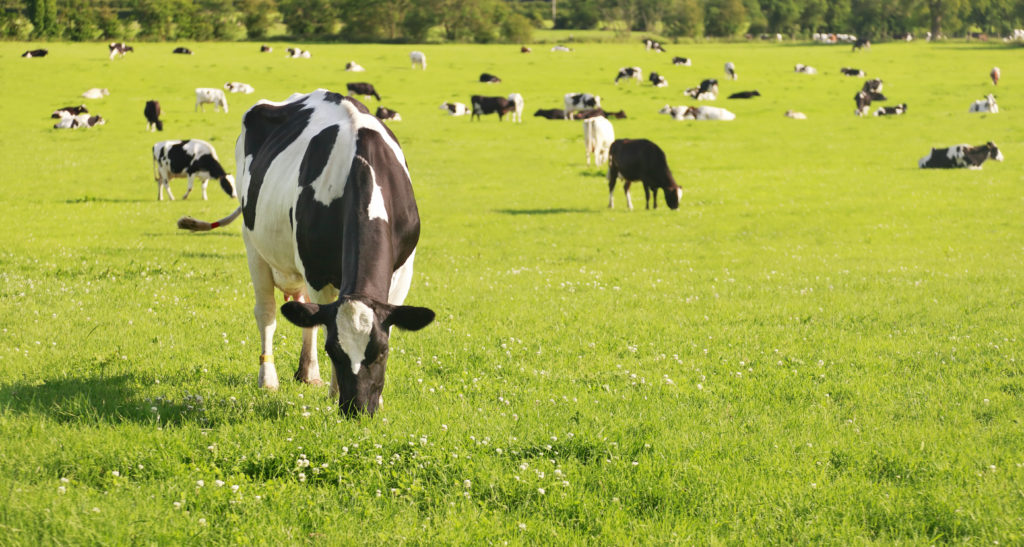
(525, 49)
(598, 134)
(384, 113)
(874, 87)
(897, 110)
(329, 219)
(353, 66)
(562, 49)
(216, 97)
(182, 51)
(796, 115)
(35, 53)
(296, 53)
(517, 107)
(239, 87)
(994, 75)
(119, 49)
(580, 101)
(189, 158)
(961, 155)
(633, 72)
(489, 78)
(682, 61)
(988, 104)
(650, 45)
(455, 109)
(551, 114)
(712, 113)
(730, 70)
(804, 69)
(745, 94)
(66, 111)
(658, 80)
(707, 91)
(265, 48)
(152, 112)
(418, 58)
(81, 120)
(863, 100)
(641, 159)
(362, 88)
(96, 93)
(490, 105)
(861, 43)
(855, 72)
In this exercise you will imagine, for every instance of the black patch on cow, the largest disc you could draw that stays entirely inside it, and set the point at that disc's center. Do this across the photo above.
(333, 97)
(269, 129)
(317, 154)
(178, 158)
(291, 218)
(207, 163)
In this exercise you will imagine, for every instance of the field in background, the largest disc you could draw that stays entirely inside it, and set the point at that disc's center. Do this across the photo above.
(823, 344)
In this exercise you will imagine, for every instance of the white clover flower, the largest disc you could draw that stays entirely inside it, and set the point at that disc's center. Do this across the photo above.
(61, 490)
(540, 491)
(302, 477)
(177, 505)
(467, 483)
(65, 480)
(202, 522)
(200, 483)
(522, 526)
(218, 482)
(115, 473)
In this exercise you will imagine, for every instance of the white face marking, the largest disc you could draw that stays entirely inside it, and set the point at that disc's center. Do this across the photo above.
(355, 321)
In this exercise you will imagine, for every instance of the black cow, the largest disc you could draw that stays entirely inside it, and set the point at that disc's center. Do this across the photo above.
(362, 88)
(550, 113)
(961, 155)
(641, 159)
(182, 51)
(490, 105)
(152, 112)
(66, 111)
(588, 113)
(489, 78)
(891, 110)
(265, 48)
(861, 43)
(384, 113)
(681, 61)
(33, 53)
(745, 94)
(342, 244)
(855, 72)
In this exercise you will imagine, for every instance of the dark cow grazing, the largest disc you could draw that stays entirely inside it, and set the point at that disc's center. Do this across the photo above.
(641, 159)
(961, 155)
(66, 111)
(119, 49)
(525, 49)
(891, 110)
(681, 61)
(152, 113)
(861, 43)
(266, 49)
(384, 113)
(182, 51)
(863, 100)
(189, 158)
(653, 45)
(490, 105)
(745, 94)
(489, 78)
(658, 80)
(362, 88)
(994, 75)
(35, 53)
(330, 220)
(629, 72)
(855, 72)
(550, 113)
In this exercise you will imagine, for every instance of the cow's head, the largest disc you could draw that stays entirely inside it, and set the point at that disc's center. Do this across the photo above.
(357, 333)
(227, 182)
(993, 151)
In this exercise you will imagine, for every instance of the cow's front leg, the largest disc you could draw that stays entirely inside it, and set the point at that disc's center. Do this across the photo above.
(647, 198)
(205, 182)
(309, 367)
(189, 189)
(629, 200)
(265, 312)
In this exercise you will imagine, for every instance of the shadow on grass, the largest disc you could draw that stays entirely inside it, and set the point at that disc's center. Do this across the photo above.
(592, 173)
(552, 211)
(94, 199)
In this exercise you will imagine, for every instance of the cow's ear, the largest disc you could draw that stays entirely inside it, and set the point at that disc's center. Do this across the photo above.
(408, 317)
(303, 314)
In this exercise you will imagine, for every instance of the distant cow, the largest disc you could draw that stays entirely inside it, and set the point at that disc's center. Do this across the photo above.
(598, 134)
(796, 115)
(209, 95)
(855, 72)
(35, 53)
(682, 61)
(711, 113)
(182, 51)
(489, 78)
(730, 70)
(384, 113)
(152, 112)
(265, 48)
(517, 107)
(81, 120)
(587, 113)
(490, 105)
(96, 93)
(561, 48)
(641, 159)
(874, 87)
(994, 75)
(189, 158)
(353, 66)
(418, 58)
(239, 87)
(707, 91)
(897, 110)
(628, 72)
(961, 155)
(650, 45)
(455, 109)
(745, 94)
(658, 80)
(66, 111)
(119, 49)
(804, 69)
(861, 43)
(362, 88)
(863, 100)
(551, 114)
(621, 114)
(988, 104)
(297, 53)
(525, 49)
(580, 101)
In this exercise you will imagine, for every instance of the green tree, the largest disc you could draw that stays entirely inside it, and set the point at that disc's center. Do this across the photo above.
(812, 15)
(724, 17)
(258, 16)
(945, 14)
(684, 18)
(308, 18)
(516, 28)
(781, 15)
(43, 14)
(837, 18)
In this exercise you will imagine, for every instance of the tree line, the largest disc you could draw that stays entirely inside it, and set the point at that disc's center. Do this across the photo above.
(484, 21)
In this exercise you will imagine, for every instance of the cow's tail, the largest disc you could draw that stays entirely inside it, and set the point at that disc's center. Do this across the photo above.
(196, 225)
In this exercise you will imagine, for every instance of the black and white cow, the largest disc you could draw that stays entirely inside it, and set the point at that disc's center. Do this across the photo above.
(961, 155)
(384, 113)
(239, 87)
(152, 112)
(804, 69)
(863, 100)
(730, 70)
(855, 72)
(182, 51)
(628, 72)
(861, 43)
(191, 159)
(745, 94)
(96, 93)
(897, 110)
(297, 53)
(362, 88)
(264, 48)
(489, 78)
(580, 101)
(658, 80)
(331, 221)
(650, 45)
(550, 114)
(518, 103)
(682, 61)
(874, 87)
(81, 120)
(455, 109)
(490, 105)
(641, 159)
(988, 104)
(210, 95)
(35, 53)
(119, 49)
(706, 91)
(66, 111)
(353, 66)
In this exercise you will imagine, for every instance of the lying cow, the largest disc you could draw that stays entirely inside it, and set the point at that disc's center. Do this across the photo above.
(587, 114)
(518, 103)
(297, 53)
(745, 94)
(362, 88)
(384, 113)
(182, 51)
(629, 72)
(152, 113)
(264, 48)
(353, 66)
(855, 72)
(67, 111)
(874, 87)
(119, 49)
(418, 58)
(641, 159)
(96, 93)
(524, 49)
(490, 105)
(35, 53)
(651, 45)
(239, 87)
(897, 110)
(706, 91)
(804, 69)
(210, 95)
(551, 114)
(988, 104)
(329, 218)
(961, 155)
(189, 158)
(489, 79)
(598, 135)
(682, 61)
(863, 101)
(455, 109)
(795, 115)
(658, 80)
(580, 101)
(712, 113)
(81, 120)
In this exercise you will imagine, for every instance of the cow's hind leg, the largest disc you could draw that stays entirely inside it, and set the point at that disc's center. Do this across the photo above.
(629, 200)
(647, 198)
(205, 182)
(167, 186)
(309, 367)
(265, 312)
(189, 189)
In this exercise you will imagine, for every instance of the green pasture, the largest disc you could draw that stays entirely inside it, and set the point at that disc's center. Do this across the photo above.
(823, 345)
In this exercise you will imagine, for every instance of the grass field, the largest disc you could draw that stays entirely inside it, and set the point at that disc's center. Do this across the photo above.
(822, 345)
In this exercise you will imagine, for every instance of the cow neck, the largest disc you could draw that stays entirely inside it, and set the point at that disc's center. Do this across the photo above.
(366, 254)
